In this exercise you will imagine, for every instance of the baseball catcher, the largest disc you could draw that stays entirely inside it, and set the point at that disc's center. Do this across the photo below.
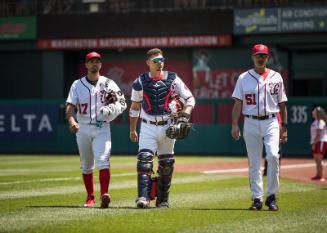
(181, 127)
(150, 100)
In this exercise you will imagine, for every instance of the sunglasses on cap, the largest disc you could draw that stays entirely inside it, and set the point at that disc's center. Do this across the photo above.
(158, 59)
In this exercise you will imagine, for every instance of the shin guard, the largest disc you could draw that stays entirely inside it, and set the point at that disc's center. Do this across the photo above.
(144, 171)
(165, 171)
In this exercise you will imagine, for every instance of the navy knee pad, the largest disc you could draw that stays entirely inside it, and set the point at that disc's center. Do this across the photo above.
(145, 161)
(166, 165)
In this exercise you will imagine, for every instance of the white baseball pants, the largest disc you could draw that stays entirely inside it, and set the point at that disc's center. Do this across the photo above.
(257, 133)
(94, 144)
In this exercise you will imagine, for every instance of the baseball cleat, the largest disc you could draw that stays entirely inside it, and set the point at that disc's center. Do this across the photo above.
(318, 178)
(271, 203)
(105, 200)
(256, 205)
(163, 205)
(90, 201)
(142, 203)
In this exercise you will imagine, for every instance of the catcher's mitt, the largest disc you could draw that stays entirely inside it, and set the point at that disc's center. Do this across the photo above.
(181, 129)
(110, 97)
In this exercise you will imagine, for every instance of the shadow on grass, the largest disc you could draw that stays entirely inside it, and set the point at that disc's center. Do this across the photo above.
(58, 206)
(228, 209)
(214, 209)
(82, 207)
(135, 208)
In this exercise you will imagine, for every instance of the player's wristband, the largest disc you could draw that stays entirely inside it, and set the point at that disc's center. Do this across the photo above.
(134, 113)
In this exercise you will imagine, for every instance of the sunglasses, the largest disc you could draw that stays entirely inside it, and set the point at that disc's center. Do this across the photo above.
(159, 59)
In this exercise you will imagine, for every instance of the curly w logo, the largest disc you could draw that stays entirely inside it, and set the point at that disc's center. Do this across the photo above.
(274, 88)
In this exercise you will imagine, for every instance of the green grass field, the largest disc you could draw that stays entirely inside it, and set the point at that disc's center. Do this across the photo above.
(44, 194)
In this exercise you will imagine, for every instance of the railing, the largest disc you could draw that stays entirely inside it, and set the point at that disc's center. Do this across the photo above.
(60, 7)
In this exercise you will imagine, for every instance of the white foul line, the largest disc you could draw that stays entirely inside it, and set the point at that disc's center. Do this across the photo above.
(238, 170)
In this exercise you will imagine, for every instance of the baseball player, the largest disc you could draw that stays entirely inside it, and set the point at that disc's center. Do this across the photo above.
(97, 100)
(150, 95)
(259, 94)
(318, 141)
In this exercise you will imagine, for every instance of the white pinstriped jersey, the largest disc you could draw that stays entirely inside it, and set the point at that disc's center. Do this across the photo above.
(260, 97)
(89, 99)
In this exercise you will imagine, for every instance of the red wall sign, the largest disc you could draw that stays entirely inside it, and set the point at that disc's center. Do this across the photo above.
(137, 42)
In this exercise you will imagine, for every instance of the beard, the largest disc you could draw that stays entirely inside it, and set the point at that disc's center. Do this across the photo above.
(94, 70)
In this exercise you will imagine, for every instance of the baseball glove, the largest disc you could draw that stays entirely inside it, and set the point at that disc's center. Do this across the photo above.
(110, 97)
(181, 129)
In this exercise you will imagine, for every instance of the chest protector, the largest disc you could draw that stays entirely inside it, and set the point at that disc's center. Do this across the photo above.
(156, 94)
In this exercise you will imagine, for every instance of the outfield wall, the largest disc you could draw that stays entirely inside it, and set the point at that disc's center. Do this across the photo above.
(39, 127)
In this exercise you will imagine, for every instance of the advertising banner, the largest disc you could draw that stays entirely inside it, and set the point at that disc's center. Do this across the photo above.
(28, 122)
(280, 20)
(18, 28)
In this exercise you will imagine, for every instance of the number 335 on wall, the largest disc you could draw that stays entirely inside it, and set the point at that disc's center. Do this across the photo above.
(299, 114)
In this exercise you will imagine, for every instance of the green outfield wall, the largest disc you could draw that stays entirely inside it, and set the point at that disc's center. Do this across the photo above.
(39, 127)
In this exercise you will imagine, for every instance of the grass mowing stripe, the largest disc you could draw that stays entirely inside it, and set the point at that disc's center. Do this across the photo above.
(237, 170)
(12, 161)
(199, 203)
(13, 172)
(197, 200)
(114, 185)
(222, 215)
(77, 188)
(29, 217)
(59, 179)
(275, 222)
(46, 170)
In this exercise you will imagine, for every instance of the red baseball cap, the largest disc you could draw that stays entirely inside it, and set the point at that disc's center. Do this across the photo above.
(260, 49)
(92, 55)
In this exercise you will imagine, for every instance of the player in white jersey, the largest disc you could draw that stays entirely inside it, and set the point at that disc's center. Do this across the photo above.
(89, 97)
(259, 94)
(318, 141)
(150, 99)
